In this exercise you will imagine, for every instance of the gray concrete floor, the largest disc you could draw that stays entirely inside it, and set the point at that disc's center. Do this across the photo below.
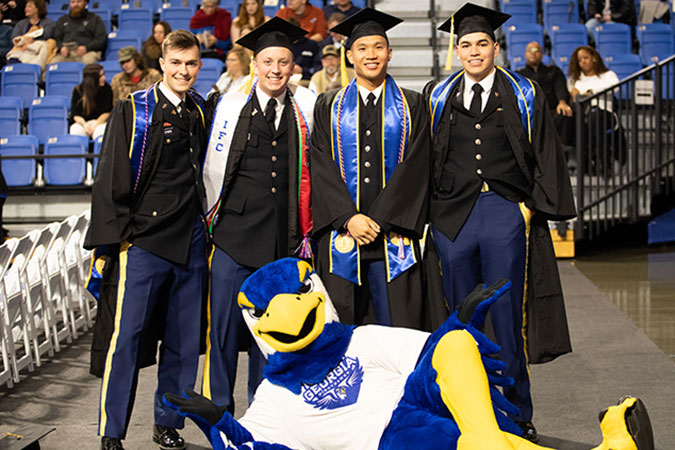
(612, 357)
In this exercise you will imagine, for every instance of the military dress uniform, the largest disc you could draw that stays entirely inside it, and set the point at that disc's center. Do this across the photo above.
(155, 219)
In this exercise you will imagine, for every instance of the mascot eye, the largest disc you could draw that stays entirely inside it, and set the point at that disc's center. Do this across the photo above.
(307, 287)
(256, 313)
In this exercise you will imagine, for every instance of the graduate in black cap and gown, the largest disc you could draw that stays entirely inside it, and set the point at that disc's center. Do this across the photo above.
(256, 176)
(370, 173)
(498, 175)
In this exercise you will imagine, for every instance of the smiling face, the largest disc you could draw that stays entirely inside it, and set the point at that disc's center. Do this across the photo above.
(158, 33)
(30, 10)
(180, 67)
(477, 53)
(275, 67)
(370, 56)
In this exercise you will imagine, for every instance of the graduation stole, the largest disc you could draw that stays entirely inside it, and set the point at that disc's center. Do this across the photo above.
(143, 105)
(522, 88)
(221, 135)
(395, 134)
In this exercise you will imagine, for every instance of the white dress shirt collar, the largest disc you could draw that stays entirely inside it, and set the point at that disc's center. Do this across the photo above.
(264, 98)
(364, 93)
(170, 95)
(486, 83)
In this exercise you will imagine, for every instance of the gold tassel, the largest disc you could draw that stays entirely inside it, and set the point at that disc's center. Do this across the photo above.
(251, 75)
(451, 45)
(344, 78)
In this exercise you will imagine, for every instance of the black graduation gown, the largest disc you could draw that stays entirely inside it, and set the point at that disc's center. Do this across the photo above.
(112, 219)
(543, 164)
(400, 207)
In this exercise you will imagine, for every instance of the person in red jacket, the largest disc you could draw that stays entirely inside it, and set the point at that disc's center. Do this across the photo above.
(211, 25)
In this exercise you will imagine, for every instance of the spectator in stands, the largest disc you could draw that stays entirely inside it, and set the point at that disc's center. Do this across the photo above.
(306, 56)
(91, 103)
(251, 13)
(604, 11)
(329, 77)
(12, 10)
(345, 7)
(79, 35)
(310, 18)
(553, 83)
(134, 76)
(5, 40)
(588, 75)
(152, 47)
(31, 35)
(212, 25)
(235, 77)
(333, 38)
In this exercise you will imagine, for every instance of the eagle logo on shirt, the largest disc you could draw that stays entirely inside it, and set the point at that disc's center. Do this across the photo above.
(340, 388)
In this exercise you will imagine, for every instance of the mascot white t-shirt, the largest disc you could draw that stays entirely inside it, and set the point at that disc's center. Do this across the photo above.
(358, 395)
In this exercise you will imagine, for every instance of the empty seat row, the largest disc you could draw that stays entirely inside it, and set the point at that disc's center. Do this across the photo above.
(66, 171)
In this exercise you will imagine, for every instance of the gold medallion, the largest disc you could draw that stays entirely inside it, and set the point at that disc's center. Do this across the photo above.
(344, 243)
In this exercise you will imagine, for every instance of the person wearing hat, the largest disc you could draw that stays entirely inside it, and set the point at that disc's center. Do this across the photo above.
(498, 175)
(370, 169)
(134, 76)
(256, 175)
(329, 77)
(147, 216)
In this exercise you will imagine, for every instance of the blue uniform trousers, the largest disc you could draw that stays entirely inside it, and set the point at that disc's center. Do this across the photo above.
(225, 326)
(146, 281)
(377, 283)
(491, 245)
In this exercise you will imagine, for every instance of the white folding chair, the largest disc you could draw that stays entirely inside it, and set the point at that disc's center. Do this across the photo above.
(43, 329)
(6, 344)
(18, 323)
(76, 275)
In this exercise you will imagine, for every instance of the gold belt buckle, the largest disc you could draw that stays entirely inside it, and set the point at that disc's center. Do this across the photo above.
(485, 187)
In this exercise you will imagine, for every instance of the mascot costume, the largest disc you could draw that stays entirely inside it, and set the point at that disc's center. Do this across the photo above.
(334, 386)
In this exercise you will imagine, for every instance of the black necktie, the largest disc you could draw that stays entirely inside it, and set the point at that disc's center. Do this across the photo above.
(271, 112)
(370, 105)
(476, 104)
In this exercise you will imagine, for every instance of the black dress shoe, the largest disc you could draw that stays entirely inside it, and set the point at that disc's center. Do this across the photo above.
(111, 443)
(529, 431)
(167, 438)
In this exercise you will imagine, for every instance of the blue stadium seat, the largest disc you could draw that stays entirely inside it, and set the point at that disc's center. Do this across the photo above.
(136, 19)
(656, 42)
(565, 38)
(522, 11)
(612, 39)
(54, 15)
(564, 65)
(558, 12)
(58, 6)
(61, 78)
(21, 80)
(192, 4)
(111, 5)
(111, 68)
(667, 82)
(623, 65)
(97, 151)
(48, 116)
(19, 172)
(106, 17)
(270, 11)
(517, 38)
(11, 109)
(211, 69)
(65, 171)
(120, 39)
(177, 16)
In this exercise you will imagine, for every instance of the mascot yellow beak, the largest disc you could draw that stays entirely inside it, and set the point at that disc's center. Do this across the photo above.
(292, 321)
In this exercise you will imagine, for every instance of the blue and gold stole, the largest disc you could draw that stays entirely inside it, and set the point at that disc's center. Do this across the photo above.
(143, 104)
(522, 88)
(395, 135)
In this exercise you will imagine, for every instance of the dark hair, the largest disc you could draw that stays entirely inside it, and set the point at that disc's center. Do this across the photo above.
(138, 59)
(179, 39)
(89, 87)
(41, 7)
(574, 72)
(243, 17)
(151, 49)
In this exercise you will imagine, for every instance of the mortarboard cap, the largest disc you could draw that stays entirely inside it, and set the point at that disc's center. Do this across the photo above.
(25, 438)
(366, 22)
(472, 18)
(275, 32)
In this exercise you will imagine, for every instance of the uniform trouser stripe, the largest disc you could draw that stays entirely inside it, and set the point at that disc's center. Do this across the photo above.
(527, 217)
(116, 332)
(206, 381)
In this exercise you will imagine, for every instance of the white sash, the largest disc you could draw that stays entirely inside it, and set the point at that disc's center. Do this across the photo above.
(224, 123)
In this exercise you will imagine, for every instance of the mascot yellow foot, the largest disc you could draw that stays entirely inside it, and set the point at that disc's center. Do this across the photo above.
(626, 426)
